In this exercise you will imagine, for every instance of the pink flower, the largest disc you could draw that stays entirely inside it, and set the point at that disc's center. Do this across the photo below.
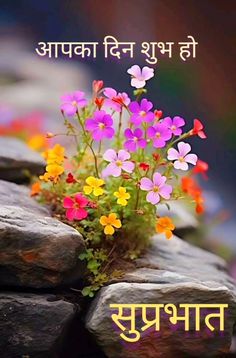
(115, 100)
(71, 102)
(135, 139)
(118, 162)
(140, 76)
(156, 188)
(181, 157)
(75, 207)
(174, 124)
(100, 125)
(141, 112)
(159, 134)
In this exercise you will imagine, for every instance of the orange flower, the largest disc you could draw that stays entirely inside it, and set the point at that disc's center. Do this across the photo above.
(191, 187)
(35, 189)
(37, 142)
(165, 226)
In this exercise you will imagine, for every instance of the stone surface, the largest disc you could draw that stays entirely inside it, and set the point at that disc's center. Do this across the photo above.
(17, 160)
(172, 271)
(36, 250)
(32, 325)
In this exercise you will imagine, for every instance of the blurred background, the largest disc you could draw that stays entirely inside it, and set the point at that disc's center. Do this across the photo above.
(204, 88)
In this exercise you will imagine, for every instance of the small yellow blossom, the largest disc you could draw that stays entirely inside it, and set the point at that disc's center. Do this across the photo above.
(37, 142)
(122, 196)
(53, 172)
(55, 154)
(110, 222)
(165, 225)
(94, 186)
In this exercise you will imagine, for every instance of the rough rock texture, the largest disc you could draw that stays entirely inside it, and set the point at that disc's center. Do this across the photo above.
(17, 160)
(171, 272)
(36, 250)
(32, 325)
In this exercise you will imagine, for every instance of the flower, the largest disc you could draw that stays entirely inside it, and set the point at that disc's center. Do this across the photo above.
(100, 125)
(71, 102)
(141, 112)
(122, 196)
(191, 187)
(160, 134)
(201, 168)
(55, 154)
(118, 162)
(166, 226)
(53, 172)
(99, 101)
(37, 142)
(140, 76)
(158, 114)
(35, 189)
(94, 186)
(110, 222)
(156, 188)
(144, 166)
(198, 129)
(70, 179)
(75, 207)
(174, 124)
(97, 86)
(135, 139)
(115, 100)
(181, 157)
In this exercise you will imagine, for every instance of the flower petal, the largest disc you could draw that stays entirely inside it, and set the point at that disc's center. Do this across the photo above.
(109, 230)
(146, 184)
(184, 148)
(147, 73)
(173, 154)
(110, 155)
(180, 165)
(123, 155)
(158, 179)
(153, 197)
(191, 158)
(134, 70)
(68, 202)
(165, 191)
(128, 166)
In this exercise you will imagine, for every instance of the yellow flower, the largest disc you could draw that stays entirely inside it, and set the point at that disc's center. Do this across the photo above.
(55, 155)
(53, 171)
(94, 186)
(122, 196)
(37, 142)
(110, 221)
(166, 226)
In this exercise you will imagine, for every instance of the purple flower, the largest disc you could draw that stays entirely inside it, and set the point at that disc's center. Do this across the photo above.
(71, 102)
(141, 112)
(135, 139)
(156, 188)
(100, 125)
(140, 76)
(115, 100)
(118, 162)
(160, 134)
(174, 124)
(181, 157)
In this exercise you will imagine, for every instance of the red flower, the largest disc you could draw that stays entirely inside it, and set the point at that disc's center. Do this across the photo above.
(158, 114)
(201, 168)
(70, 179)
(156, 157)
(191, 187)
(144, 166)
(99, 102)
(75, 207)
(198, 129)
(97, 86)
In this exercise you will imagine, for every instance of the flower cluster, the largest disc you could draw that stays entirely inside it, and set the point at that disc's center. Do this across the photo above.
(128, 159)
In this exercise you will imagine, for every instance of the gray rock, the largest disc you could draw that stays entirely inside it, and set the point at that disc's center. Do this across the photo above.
(172, 271)
(32, 325)
(36, 250)
(17, 160)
